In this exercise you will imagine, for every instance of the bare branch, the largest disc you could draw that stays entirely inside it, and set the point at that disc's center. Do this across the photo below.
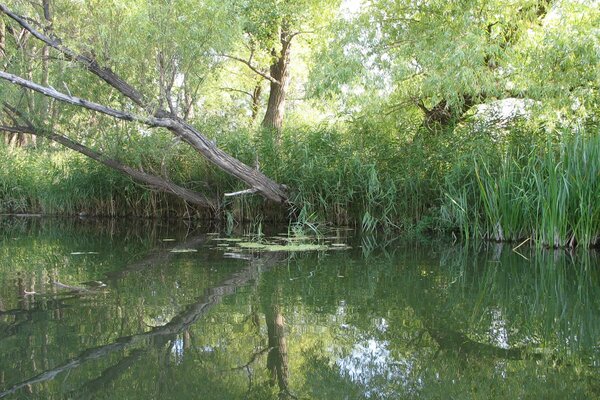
(293, 35)
(53, 93)
(241, 192)
(228, 89)
(16, 129)
(156, 182)
(105, 74)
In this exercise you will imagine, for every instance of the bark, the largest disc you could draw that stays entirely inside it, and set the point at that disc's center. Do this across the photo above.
(280, 73)
(155, 182)
(2, 42)
(256, 93)
(254, 178)
(158, 117)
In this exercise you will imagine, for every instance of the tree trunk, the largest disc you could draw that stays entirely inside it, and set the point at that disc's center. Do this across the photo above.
(256, 93)
(442, 116)
(281, 77)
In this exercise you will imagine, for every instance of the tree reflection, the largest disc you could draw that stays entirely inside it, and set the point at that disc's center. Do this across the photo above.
(277, 356)
(417, 324)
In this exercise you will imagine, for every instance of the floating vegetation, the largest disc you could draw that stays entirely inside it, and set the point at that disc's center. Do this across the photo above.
(283, 247)
(281, 243)
(252, 245)
(297, 247)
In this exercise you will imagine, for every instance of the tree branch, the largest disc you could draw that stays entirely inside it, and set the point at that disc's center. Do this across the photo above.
(53, 93)
(156, 182)
(105, 74)
(254, 178)
(294, 34)
(161, 118)
(252, 67)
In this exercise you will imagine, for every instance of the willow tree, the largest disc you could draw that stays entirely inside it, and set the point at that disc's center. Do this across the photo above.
(267, 30)
(149, 59)
(439, 59)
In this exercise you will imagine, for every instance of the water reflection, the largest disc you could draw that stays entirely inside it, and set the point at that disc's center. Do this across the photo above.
(413, 321)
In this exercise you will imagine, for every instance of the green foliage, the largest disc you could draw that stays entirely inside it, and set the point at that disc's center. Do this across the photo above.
(66, 183)
(547, 192)
(385, 129)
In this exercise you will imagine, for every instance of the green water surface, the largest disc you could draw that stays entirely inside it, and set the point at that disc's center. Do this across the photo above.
(181, 313)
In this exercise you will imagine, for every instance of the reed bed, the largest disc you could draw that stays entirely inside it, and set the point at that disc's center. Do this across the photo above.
(549, 194)
(524, 187)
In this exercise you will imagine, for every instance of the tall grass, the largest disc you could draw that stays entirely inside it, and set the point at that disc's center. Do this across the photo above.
(549, 193)
(525, 185)
(336, 177)
(58, 182)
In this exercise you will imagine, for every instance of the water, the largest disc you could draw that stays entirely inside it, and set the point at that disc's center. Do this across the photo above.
(423, 321)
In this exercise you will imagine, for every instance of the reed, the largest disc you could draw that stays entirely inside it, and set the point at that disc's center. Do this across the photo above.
(549, 194)
(525, 185)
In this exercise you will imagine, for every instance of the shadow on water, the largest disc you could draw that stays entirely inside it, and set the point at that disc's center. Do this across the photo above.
(185, 316)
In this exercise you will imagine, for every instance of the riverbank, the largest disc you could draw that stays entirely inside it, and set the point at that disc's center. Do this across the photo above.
(520, 186)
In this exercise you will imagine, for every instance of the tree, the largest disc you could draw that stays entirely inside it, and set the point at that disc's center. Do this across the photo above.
(440, 59)
(268, 29)
(158, 111)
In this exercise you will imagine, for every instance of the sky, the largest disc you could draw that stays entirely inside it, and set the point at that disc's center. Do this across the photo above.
(350, 7)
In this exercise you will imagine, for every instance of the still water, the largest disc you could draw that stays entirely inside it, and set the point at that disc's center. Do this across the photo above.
(107, 310)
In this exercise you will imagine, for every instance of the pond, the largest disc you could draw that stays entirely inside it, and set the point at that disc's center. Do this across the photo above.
(123, 310)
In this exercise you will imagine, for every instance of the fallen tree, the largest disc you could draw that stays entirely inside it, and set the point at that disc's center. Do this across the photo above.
(153, 117)
(155, 182)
